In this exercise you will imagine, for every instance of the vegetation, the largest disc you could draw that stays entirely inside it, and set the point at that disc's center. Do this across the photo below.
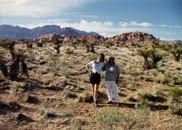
(114, 119)
(151, 57)
(176, 52)
(90, 46)
(57, 42)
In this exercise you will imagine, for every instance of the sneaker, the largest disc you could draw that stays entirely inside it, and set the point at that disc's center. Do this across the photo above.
(109, 102)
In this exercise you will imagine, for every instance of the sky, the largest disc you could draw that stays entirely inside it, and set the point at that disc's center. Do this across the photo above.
(161, 18)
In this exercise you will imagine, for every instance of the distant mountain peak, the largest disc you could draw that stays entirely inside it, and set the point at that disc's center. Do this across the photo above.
(18, 32)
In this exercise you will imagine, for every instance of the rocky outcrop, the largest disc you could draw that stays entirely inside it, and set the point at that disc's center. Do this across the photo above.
(49, 37)
(125, 38)
(132, 38)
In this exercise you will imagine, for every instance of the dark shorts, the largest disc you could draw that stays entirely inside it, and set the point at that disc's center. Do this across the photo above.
(95, 78)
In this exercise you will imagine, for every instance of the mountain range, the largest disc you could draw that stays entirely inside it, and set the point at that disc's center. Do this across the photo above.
(17, 32)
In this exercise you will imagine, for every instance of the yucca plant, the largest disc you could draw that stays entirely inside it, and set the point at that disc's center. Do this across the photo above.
(145, 53)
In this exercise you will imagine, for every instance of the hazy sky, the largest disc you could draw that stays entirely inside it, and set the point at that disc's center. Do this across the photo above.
(162, 18)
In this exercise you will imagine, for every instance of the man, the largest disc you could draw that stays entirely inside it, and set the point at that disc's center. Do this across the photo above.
(112, 76)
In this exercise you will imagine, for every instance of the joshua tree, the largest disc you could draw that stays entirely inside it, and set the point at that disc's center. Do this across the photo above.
(15, 66)
(57, 42)
(17, 58)
(88, 45)
(154, 56)
(8, 44)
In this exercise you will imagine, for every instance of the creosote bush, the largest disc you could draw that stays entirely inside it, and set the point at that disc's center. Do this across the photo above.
(114, 119)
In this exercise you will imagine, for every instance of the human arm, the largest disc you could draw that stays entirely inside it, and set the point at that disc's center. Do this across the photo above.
(117, 78)
(88, 67)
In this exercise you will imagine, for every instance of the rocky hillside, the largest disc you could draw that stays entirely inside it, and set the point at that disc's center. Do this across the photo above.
(125, 38)
(17, 32)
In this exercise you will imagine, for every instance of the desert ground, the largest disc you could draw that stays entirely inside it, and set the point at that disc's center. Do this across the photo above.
(57, 93)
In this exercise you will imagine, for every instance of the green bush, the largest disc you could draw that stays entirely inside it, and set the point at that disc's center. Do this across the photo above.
(175, 92)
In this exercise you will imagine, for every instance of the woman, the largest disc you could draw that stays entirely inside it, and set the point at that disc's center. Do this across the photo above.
(95, 67)
(112, 76)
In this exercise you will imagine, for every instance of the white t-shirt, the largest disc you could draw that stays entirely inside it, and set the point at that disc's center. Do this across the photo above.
(96, 67)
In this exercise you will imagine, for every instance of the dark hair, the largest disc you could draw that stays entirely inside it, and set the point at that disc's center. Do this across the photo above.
(103, 57)
(112, 59)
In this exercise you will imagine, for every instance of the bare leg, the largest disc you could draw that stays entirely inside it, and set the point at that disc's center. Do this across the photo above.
(96, 91)
(93, 92)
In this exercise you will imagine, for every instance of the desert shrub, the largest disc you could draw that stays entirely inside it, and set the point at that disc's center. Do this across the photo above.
(66, 70)
(175, 92)
(17, 88)
(108, 44)
(159, 92)
(92, 57)
(176, 109)
(177, 79)
(144, 96)
(50, 114)
(86, 97)
(69, 52)
(163, 78)
(40, 44)
(114, 119)
(76, 124)
(176, 52)
(69, 94)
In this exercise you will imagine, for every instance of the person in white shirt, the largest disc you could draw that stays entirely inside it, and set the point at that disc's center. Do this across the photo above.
(95, 67)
